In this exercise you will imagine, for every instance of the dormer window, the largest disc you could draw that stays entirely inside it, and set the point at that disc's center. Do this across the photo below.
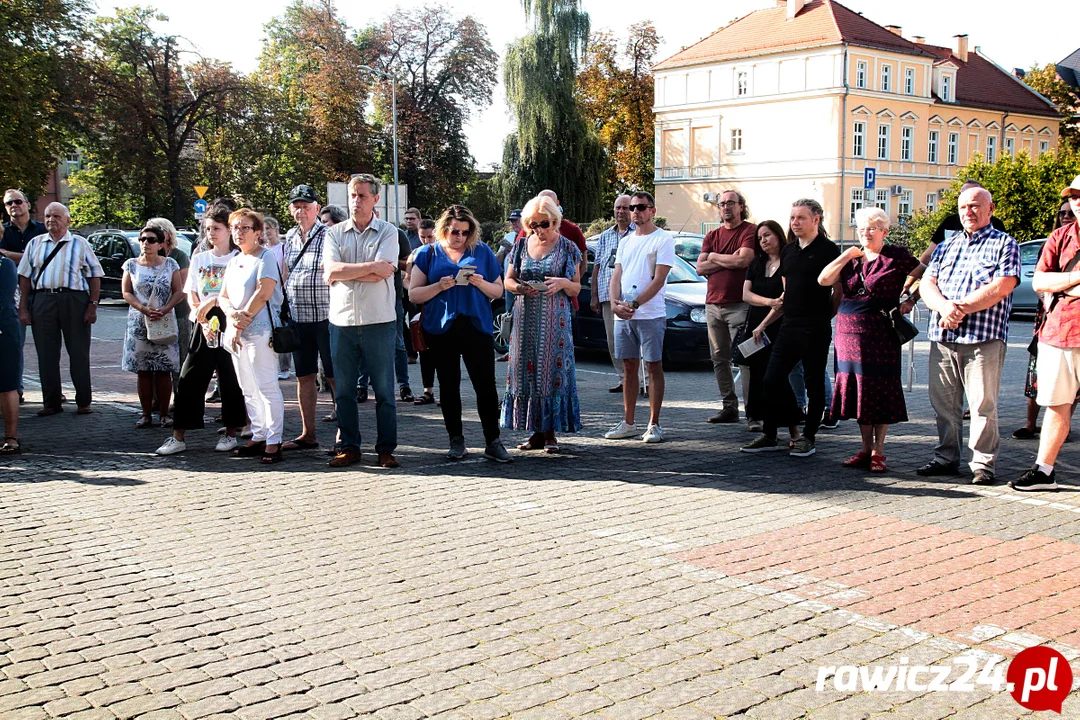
(741, 84)
(946, 88)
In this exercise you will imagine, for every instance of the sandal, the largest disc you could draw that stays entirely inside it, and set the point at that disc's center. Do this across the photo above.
(166, 421)
(877, 464)
(861, 459)
(300, 444)
(8, 449)
(1025, 434)
(536, 442)
(426, 399)
(145, 422)
(250, 450)
(551, 449)
(271, 458)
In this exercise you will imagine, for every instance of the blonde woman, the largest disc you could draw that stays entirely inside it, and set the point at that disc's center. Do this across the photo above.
(541, 381)
(456, 278)
(183, 311)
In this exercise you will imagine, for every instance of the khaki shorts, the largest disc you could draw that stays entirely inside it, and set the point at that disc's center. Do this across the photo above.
(1059, 375)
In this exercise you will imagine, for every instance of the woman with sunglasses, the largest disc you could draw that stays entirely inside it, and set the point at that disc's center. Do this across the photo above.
(152, 288)
(541, 381)
(457, 276)
(251, 299)
(206, 352)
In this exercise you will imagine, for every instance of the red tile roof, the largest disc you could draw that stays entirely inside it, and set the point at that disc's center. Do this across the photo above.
(983, 84)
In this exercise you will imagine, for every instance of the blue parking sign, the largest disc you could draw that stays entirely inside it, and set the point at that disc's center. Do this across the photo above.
(869, 178)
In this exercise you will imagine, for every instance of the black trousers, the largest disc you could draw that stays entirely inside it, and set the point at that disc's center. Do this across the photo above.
(195, 375)
(810, 344)
(463, 342)
(56, 315)
(427, 368)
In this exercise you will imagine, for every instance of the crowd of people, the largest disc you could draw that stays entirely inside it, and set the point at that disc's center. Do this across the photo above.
(350, 300)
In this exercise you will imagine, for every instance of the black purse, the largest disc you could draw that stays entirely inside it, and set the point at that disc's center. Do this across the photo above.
(741, 335)
(284, 338)
(905, 330)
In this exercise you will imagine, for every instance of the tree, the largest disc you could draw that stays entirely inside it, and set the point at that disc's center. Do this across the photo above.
(554, 146)
(41, 93)
(1045, 80)
(616, 95)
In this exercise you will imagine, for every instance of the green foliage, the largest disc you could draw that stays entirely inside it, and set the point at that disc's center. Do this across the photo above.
(597, 226)
(96, 202)
(1046, 81)
(480, 195)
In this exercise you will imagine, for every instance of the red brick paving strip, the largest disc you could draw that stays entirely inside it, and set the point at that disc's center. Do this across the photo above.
(937, 580)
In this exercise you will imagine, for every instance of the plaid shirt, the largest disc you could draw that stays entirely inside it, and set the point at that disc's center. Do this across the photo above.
(605, 252)
(964, 263)
(309, 296)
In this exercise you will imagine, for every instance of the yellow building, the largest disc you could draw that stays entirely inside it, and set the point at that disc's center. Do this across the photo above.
(797, 100)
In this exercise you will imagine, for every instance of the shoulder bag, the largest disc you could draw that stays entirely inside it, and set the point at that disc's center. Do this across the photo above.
(285, 337)
(504, 322)
(164, 330)
(1033, 346)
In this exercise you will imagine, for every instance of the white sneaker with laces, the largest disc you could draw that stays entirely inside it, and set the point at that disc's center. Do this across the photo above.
(225, 444)
(653, 434)
(621, 431)
(171, 447)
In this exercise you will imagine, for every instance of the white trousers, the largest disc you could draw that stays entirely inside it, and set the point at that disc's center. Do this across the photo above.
(256, 366)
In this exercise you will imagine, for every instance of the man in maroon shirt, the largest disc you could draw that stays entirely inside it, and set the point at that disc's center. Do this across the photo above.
(1058, 363)
(726, 252)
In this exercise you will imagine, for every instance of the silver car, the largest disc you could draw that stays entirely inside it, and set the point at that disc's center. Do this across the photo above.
(1024, 298)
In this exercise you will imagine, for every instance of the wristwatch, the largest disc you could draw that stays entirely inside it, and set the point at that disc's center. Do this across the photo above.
(635, 304)
(94, 302)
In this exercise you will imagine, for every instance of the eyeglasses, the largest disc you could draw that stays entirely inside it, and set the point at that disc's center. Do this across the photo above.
(729, 203)
(242, 228)
(461, 233)
(1066, 211)
(640, 207)
(152, 239)
(544, 224)
(13, 201)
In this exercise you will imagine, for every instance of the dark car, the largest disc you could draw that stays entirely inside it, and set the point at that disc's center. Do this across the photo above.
(686, 338)
(113, 248)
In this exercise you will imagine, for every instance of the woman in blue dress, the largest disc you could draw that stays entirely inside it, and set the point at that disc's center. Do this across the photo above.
(541, 382)
(10, 356)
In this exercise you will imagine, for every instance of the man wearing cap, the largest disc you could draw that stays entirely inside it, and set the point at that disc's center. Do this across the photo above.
(309, 300)
(607, 247)
(1058, 360)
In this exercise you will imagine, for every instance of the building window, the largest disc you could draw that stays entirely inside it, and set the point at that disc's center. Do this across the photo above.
(883, 142)
(858, 147)
(1010, 147)
(860, 74)
(954, 148)
(736, 140)
(909, 81)
(903, 206)
(931, 202)
(1044, 146)
(741, 87)
(907, 137)
(856, 204)
(991, 148)
(886, 78)
(883, 200)
(946, 88)
(931, 149)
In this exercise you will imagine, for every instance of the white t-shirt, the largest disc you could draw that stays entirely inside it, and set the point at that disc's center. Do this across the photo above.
(639, 255)
(241, 277)
(205, 274)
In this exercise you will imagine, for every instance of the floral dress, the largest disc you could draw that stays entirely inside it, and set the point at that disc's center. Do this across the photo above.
(541, 381)
(153, 287)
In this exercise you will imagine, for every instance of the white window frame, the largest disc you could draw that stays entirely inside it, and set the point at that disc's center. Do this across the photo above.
(1010, 146)
(857, 200)
(903, 205)
(954, 149)
(991, 149)
(931, 202)
(736, 145)
(933, 139)
(909, 81)
(946, 88)
(883, 199)
(861, 71)
(858, 139)
(884, 141)
(886, 77)
(1044, 146)
(907, 140)
(742, 83)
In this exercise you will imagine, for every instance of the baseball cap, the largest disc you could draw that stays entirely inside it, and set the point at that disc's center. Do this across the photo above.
(515, 214)
(303, 193)
(1074, 188)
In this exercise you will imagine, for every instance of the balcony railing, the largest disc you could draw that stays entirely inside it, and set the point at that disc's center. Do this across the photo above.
(774, 168)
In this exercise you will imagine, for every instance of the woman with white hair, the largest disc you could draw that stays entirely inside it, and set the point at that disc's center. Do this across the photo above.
(170, 249)
(867, 386)
(541, 381)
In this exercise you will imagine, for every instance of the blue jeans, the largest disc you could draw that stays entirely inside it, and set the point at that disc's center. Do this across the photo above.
(370, 347)
(401, 358)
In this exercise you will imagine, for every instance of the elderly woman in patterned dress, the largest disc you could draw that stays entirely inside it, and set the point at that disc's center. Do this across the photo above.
(541, 385)
(152, 288)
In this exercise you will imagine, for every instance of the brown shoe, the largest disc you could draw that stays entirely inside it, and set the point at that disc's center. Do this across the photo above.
(45, 412)
(727, 415)
(345, 458)
(387, 460)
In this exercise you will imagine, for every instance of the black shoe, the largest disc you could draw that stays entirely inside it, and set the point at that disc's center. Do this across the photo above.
(361, 395)
(406, 394)
(935, 468)
(215, 397)
(983, 477)
(829, 422)
(496, 452)
(616, 389)
(1035, 479)
(457, 448)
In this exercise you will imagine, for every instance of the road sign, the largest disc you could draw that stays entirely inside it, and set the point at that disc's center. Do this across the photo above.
(201, 190)
(201, 205)
(200, 215)
(869, 178)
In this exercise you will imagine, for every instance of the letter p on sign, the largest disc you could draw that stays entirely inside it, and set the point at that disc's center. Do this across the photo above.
(1039, 678)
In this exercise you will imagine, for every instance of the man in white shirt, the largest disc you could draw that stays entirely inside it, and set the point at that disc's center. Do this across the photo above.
(358, 264)
(642, 264)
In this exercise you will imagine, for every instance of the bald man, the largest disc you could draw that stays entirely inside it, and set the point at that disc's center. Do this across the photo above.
(967, 287)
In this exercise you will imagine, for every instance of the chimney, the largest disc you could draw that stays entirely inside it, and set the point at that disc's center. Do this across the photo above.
(793, 8)
(962, 47)
(894, 29)
(919, 40)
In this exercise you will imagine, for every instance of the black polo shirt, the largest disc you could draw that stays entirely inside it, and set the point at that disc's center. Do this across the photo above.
(805, 301)
(15, 241)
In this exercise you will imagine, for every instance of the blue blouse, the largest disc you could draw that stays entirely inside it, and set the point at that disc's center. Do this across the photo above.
(441, 310)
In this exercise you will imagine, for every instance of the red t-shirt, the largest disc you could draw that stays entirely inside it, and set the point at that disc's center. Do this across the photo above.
(573, 233)
(726, 286)
(1062, 326)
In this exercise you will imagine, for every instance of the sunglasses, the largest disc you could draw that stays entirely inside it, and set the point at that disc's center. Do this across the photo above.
(152, 239)
(544, 224)
(640, 207)
(461, 233)
(13, 201)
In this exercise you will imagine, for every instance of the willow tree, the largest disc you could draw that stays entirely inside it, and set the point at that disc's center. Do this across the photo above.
(554, 146)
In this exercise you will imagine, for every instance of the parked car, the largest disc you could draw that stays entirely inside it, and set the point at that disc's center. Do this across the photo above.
(1023, 297)
(113, 248)
(686, 338)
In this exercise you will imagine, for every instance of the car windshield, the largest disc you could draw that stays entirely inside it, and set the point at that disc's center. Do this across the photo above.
(683, 272)
(1029, 252)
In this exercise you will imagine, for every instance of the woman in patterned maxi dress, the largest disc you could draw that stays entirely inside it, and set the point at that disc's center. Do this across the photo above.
(541, 385)
(867, 386)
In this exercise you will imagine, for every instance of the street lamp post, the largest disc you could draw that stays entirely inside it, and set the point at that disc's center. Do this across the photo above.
(393, 118)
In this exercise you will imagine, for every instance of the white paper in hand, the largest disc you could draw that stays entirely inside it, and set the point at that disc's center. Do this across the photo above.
(750, 346)
(462, 277)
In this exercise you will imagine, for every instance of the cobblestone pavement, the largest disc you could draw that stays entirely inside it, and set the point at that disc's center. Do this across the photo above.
(620, 580)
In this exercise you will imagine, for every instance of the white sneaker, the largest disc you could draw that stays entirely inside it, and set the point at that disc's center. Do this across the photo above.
(654, 434)
(284, 375)
(171, 447)
(225, 444)
(621, 431)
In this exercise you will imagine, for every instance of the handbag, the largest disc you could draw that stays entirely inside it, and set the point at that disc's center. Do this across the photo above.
(284, 337)
(905, 330)
(742, 335)
(163, 331)
(416, 331)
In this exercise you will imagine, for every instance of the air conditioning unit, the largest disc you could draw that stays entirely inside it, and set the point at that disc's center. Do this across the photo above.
(896, 190)
(709, 198)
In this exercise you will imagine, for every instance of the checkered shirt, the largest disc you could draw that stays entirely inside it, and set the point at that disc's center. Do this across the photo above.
(309, 296)
(605, 250)
(963, 264)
